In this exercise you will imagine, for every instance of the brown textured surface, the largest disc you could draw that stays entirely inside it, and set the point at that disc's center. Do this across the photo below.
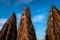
(26, 30)
(9, 30)
(53, 25)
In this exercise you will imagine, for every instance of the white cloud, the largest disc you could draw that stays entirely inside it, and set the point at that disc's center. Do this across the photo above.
(2, 21)
(41, 38)
(38, 18)
(18, 18)
(22, 1)
(14, 2)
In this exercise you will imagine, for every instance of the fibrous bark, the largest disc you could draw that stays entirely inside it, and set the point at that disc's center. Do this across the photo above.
(53, 25)
(26, 30)
(9, 30)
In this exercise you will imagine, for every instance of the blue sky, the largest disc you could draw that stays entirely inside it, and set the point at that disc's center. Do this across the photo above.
(39, 12)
